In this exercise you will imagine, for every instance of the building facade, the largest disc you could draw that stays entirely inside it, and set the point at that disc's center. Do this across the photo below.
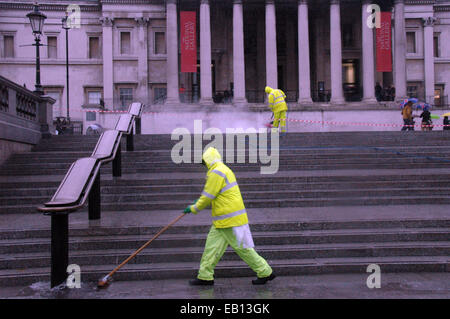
(319, 51)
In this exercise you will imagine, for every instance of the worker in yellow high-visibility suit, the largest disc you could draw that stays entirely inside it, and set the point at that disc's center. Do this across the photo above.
(277, 103)
(230, 222)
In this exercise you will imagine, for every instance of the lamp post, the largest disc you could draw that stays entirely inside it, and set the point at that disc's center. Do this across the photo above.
(66, 26)
(37, 23)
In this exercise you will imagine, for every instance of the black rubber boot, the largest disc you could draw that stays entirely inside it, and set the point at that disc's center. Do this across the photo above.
(262, 281)
(200, 282)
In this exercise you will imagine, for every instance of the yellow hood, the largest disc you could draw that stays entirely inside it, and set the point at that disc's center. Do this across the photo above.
(268, 89)
(211, 156)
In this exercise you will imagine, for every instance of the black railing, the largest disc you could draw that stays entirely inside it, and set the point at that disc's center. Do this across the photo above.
(82, 183)
(321, 96)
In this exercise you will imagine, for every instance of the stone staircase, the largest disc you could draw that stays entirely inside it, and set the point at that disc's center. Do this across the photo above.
(383, 198)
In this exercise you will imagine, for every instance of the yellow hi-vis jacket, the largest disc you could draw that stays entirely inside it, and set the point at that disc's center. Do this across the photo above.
(277, 101)
(222, 192)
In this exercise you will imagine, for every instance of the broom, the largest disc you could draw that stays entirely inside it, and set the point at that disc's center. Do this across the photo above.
(104, 282)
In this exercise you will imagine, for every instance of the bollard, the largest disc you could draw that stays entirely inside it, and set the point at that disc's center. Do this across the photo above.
(59, 248)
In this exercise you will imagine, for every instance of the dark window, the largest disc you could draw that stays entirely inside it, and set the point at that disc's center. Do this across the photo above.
(125, 43)
(436, 46)
(160, 43)
(94, 48)
(126, 97)
(410, 42)
(52, 48)
(8, 46)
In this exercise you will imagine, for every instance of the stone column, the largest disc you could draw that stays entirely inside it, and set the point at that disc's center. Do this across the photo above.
(238, 55)
(205, 54)
(399, 50)
(142, 50)
(368, 62)
(337, 92)
(107, 55)
(428, 47)
(271, 46)
(304, 80)
(173, 96)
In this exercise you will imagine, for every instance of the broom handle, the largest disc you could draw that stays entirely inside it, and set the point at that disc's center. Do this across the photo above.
(145, 245)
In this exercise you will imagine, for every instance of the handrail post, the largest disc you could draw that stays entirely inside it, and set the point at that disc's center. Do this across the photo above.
(95, 199)
(117, 162)
(138, 126)
(59, 248)
(130, 142)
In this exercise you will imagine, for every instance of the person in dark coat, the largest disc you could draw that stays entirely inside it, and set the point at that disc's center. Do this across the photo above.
(446, 122)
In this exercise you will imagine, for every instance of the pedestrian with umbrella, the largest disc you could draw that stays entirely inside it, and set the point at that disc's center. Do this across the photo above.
(408, 122)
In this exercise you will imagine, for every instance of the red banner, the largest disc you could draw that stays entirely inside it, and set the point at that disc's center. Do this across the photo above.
(188, 41)
(384, 44)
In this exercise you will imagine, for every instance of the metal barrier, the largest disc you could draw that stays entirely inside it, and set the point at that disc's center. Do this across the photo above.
(82, 183)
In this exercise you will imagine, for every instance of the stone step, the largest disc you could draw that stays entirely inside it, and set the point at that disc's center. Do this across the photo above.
(237, 268)
(275, 226)
(250, 195)
(283, 161)
(271, 252)
(260, 203)
(278, 187)
(185, 168)
(368, 236)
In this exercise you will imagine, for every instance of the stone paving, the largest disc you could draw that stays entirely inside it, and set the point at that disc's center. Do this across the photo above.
(341, 286)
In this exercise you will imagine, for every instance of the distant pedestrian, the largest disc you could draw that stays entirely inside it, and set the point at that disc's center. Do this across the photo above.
(378, 91)
(392, 93)
(447, 123)
(427, 124)
(408, 122)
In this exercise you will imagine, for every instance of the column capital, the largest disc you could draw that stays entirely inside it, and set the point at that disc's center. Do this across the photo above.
(335, 2)
(204, 2)
(429, 21)
(302, 2)
(171, 1)
(237, 1)
(141, 21)
(107, 21)
(270, 1)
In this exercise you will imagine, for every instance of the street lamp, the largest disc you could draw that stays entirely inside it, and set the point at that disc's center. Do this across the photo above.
(37, 23)
(66, 26)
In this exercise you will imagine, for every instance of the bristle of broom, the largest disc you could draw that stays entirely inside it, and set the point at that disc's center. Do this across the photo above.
(103, 283)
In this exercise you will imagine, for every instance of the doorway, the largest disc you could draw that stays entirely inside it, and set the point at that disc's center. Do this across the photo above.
(351, 82)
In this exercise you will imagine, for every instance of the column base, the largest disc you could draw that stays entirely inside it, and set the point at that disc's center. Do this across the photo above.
(305, 100)
(338, 101)
(370, 100)
(240, 102)
(172, 101)
(206, 101)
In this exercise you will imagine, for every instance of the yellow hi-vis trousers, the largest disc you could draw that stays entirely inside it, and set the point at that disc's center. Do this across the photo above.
(217, 242)
(280, 121)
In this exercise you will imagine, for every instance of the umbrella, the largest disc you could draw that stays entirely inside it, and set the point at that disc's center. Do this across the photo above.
(412, 99)
(446, 114)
